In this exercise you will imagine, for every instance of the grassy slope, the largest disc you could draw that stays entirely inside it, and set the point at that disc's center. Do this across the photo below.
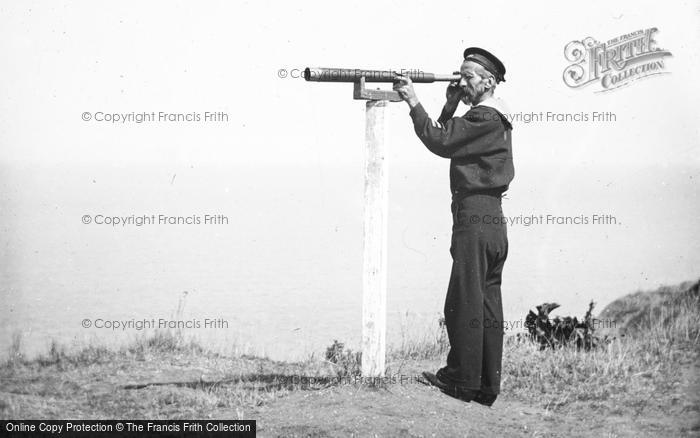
(662, 308)
(644, 382)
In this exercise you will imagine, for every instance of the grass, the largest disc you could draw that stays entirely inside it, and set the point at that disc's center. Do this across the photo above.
(630, 371)
(643, 365)
(427, 345)
(160, 376)
(165, 375)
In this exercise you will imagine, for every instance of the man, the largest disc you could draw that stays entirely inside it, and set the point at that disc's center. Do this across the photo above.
(478, 145)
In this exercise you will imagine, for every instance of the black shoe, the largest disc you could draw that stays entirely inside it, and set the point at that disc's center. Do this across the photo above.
(485, 399)
(466, 395)
(432, 380)
(455, 391)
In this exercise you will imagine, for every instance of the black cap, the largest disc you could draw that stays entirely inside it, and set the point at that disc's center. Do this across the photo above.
(486, 60)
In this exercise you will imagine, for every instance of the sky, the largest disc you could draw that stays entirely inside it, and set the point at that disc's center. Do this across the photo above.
(65, 58)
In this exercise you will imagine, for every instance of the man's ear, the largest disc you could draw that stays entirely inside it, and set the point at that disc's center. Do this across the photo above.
(491, 81)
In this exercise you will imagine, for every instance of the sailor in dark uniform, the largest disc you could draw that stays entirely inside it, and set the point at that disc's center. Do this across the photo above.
(478, 145)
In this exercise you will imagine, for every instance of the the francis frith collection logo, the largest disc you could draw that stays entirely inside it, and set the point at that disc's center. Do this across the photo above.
(616, 62)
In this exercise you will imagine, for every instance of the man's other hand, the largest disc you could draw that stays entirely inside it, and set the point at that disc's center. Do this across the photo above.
(404, 86)
(454, 93)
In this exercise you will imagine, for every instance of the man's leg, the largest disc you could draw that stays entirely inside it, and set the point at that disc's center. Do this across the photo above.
(497, 238)
(473, 308)
(464, 310)
(493, 323)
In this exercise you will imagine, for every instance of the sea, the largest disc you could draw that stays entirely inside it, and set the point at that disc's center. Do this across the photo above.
(267, 260)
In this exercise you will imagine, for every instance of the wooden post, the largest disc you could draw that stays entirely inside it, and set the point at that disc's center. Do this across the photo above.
(374, 276)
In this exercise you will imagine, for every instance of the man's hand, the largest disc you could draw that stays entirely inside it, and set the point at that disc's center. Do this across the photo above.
(454, 94)
(404, 86)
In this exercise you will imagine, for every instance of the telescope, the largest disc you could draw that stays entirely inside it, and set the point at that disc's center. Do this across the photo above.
(354, 74)
(360, 76)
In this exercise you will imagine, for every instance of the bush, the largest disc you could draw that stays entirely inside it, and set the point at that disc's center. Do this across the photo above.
(561, 331)
(348, 362)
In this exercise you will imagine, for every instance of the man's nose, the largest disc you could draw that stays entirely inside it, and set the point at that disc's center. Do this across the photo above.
(462, 82)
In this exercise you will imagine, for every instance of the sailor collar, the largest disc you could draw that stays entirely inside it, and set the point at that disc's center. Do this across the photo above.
(495, 103)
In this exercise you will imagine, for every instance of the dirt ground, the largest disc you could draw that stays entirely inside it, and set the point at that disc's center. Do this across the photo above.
(416, 410)
(177, 388)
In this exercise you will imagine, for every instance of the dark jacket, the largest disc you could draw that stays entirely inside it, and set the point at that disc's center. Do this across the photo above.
(478, 145)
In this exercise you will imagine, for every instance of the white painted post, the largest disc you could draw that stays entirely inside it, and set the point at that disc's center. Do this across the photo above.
(374, 275)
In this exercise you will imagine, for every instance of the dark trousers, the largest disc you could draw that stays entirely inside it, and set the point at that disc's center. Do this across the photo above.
(473, 308)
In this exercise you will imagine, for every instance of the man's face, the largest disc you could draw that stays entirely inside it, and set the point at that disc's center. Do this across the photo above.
(472, 83)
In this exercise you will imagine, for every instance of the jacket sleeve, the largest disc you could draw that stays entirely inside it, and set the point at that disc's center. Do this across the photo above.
(446, 114)
(458, 136)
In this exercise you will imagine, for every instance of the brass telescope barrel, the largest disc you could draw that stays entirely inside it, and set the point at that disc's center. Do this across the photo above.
(320, 74)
